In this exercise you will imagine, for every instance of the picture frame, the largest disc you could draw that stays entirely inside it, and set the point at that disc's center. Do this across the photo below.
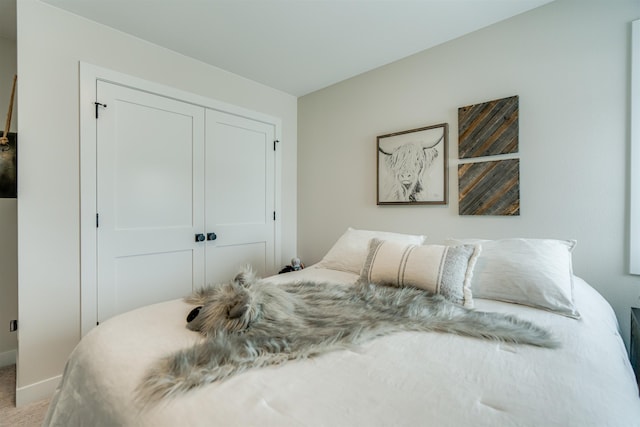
(9, 167)
(412, 166)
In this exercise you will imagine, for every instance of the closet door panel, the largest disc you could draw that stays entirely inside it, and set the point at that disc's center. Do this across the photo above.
(144, 279)
(150, 194)
(237, 167)
(239, 201)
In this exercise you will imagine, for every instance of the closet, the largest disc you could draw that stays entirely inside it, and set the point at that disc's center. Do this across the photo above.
(185, 196)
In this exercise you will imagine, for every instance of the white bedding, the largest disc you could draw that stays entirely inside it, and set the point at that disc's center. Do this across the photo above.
(408, 379)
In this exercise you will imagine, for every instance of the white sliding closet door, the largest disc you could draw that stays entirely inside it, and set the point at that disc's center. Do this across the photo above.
(150, 198)
(240, 195)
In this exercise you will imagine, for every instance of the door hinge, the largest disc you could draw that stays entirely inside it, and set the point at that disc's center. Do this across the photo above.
(274, 144)
(13, 325)
(274, 215)
(97, 220)
(98, 104)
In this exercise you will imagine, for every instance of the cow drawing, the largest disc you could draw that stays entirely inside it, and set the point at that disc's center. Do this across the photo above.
(407, 165)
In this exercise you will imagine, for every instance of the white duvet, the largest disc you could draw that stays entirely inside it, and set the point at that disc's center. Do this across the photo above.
(407, 379)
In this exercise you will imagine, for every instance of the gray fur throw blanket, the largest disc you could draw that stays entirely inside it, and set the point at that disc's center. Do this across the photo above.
(251, 323)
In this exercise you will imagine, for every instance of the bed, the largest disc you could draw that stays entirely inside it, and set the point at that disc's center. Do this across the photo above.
(403, 379)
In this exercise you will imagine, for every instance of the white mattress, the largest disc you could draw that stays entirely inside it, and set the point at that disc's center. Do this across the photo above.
(407, 379)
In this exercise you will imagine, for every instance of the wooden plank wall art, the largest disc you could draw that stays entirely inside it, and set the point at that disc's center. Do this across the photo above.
(488, 186)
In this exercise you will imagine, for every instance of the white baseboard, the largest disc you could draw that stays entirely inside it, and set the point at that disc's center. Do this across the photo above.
(8, 358)
(37, 391)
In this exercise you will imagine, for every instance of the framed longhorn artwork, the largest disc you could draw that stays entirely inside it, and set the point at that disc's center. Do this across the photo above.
(412, 166)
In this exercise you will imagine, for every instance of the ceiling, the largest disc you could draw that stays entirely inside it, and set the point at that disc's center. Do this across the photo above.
(296, 46)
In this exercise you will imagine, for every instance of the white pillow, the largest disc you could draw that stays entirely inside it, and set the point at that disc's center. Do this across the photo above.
(350, 250)
(438, 269)
(533, 272)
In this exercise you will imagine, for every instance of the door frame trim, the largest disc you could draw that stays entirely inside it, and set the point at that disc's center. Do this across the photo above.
(89, 76)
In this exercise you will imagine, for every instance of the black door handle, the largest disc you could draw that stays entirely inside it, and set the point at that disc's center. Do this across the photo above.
(211, 236)
(199, 237)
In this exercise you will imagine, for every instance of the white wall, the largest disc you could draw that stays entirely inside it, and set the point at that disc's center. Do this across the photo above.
(51, 43)
(8, 220)
(569, 63)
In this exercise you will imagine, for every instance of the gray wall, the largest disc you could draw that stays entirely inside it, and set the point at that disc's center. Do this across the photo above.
(569, 63)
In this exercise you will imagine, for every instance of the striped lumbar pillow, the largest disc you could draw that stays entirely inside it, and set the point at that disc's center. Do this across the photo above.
(439, 269)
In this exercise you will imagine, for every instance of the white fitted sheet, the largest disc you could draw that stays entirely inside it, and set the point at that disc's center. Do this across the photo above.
(406, 379)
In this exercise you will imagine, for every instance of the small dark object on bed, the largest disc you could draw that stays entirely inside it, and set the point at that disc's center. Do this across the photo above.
(193, 314)
(286, 269)
(295, 265)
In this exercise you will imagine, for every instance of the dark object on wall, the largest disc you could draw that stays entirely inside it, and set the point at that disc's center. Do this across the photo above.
(634, 352)
(9, 167)
(412, 166)
(489, 188)
(488, 129)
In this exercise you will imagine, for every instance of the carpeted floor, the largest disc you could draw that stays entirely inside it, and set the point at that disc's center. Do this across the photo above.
(27, 416)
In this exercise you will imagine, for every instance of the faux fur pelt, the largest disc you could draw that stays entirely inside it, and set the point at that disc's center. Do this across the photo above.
(250, 323)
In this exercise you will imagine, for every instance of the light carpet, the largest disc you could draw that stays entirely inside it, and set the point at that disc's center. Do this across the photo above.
(30, 415)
